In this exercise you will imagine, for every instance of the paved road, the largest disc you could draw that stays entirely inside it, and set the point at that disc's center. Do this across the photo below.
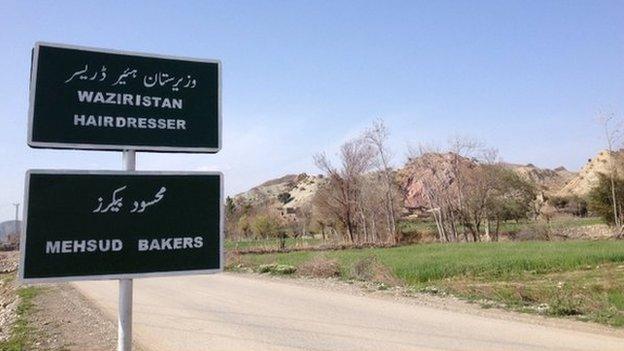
(229, 312)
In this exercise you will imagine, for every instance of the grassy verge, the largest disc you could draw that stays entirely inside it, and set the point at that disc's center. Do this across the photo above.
(580, 278)
(21, 330)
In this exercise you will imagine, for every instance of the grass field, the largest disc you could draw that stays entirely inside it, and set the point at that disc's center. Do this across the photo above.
(406, 226)
(269, 243)
(427, 226)
(580, 278)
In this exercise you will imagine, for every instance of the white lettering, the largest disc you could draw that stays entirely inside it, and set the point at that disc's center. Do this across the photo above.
(53, 247)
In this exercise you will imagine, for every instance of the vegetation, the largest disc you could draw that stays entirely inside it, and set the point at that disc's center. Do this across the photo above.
(360, 199)
(264, 226)
(580, 278)
(21, 330)
(601, 198)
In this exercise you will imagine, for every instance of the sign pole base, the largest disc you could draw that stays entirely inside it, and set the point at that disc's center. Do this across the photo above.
(124, 321)
(124, 325)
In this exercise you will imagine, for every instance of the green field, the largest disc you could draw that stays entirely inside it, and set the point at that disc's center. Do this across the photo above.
(427, 226)
(271, 243)
(422, 226)
(580, 278)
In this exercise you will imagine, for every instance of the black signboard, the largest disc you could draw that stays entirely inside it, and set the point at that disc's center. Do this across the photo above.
(83, 98)
(109, 225)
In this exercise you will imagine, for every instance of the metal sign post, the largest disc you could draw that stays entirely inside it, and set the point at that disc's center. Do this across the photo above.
(86, 225)
(124, 318)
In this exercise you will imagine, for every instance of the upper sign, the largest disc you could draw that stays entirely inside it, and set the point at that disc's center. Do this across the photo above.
(109, 225)
(83, 98)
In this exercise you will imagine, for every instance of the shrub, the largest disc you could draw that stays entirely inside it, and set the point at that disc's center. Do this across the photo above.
(264, 226)
(284, 198)
(535, 231)
(320, 267)
(274, 268)
(267, 268)
(601, 198)
(284, 269)
(369, 268)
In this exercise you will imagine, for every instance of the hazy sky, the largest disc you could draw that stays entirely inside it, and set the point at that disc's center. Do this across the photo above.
(301, 77)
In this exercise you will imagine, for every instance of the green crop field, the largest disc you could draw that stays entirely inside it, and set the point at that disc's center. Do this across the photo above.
(580, 278)
(427, 226)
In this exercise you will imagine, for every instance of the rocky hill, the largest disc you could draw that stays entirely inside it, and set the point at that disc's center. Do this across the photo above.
(292, 190)
(550, 181)
(435, 168)
(587, 178)
(296, 190)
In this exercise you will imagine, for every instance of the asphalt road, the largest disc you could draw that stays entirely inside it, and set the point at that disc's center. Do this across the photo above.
(230, 312)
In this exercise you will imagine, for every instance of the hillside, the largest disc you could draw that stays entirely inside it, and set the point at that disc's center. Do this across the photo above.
(587, 178)
(436, 168)
(550, 181)
(300, 187)
(558, 181)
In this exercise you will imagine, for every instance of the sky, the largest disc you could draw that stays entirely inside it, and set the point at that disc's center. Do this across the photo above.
(302, 77)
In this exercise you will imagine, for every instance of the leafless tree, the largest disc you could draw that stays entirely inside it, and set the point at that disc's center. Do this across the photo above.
(613, 136)
(340, 196)
(377, 136)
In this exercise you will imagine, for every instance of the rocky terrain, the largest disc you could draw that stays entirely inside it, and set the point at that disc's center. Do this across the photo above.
(289, 191)
(8, 295)
(587, 178)
(551, 182)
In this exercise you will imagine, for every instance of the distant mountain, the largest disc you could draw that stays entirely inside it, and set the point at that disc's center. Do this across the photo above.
(7, 228)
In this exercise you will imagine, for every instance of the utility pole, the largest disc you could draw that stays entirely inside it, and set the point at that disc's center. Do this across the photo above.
(17, 234)
(17, 205)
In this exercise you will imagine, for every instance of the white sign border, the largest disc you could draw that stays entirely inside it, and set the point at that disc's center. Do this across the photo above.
(114, 147)
(116, 276)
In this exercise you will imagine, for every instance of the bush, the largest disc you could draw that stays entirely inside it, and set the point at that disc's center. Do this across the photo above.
(267, 268)
(284, 198)
(601, 198)
(535, 231)
(370, 268)
(264, 226)
(274, 268)
(320, 267)
(284, 269)
(572, 205)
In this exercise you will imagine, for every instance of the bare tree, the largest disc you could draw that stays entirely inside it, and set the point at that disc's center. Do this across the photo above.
(613, 134)
(377, 136)
(340, 196)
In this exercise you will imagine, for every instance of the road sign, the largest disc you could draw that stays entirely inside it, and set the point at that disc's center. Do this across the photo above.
(84, 98)
(111, 224)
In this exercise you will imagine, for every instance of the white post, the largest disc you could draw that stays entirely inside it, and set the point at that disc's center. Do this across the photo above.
(124, 320)
(17, 205)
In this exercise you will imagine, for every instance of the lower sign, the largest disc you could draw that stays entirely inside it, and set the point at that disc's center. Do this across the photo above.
(107, 225)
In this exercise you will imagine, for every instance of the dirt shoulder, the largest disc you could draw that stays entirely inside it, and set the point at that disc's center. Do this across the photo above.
(64, 320)
(50, 317)
(446, 302)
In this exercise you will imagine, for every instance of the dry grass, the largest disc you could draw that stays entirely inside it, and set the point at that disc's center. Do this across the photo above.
(320, 267)
(370, 268)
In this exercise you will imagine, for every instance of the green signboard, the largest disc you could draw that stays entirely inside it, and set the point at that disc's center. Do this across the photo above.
(108, 224)
(83, 98)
